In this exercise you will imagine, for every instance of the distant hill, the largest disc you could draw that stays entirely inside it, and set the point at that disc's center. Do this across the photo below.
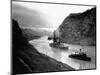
(30, 34)
(35, 33)
(79, 28)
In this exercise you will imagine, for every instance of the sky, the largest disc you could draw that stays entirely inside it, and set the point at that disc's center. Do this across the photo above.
(43, 15)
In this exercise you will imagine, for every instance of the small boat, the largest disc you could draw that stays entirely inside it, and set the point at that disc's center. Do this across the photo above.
(80, 56)
(50, 38)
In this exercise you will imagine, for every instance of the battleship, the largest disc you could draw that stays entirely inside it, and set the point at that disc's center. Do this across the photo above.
(57, 42)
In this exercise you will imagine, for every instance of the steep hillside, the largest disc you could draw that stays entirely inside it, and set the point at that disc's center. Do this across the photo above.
(30, 34)
(35, 33)
(26, 59)
(79, 28)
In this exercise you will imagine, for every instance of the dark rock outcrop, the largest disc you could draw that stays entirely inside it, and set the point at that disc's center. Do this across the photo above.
(79, 28)
(26, 59)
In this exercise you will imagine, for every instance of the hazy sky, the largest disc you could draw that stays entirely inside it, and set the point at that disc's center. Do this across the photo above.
(44, 15)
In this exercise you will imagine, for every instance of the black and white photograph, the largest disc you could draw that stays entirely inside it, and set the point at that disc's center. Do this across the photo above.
(52, 37)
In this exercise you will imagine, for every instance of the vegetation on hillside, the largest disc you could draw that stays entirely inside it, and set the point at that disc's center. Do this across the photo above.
(79, 28)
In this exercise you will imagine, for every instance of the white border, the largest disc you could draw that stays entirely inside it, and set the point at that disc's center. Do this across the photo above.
(5, 37)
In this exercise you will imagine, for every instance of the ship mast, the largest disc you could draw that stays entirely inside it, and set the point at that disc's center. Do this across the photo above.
(56, 35)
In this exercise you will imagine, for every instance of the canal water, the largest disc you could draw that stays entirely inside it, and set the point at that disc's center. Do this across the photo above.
(42, 45)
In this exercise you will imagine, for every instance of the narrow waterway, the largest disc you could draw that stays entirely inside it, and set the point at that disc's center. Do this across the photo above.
(42, 45)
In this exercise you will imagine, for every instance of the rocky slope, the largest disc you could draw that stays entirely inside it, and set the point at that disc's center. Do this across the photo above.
(35, 33)
(79, 28)
(30, 34)
(26, 59)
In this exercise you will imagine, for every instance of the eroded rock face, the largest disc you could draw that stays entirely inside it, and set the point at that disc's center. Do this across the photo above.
(26, 59)
(79, 28)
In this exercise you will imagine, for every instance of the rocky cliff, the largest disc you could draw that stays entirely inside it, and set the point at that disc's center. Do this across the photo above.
(26, 59)
(79, 28)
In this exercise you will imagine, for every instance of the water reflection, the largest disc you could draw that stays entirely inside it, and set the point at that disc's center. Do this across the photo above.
(42, 45)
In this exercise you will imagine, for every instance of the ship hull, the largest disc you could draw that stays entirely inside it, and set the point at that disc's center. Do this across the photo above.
(56, 45)
(79, 57)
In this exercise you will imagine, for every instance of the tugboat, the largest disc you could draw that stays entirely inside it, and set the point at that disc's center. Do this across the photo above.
(57, 43)
(49, 38)
(80, 55)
